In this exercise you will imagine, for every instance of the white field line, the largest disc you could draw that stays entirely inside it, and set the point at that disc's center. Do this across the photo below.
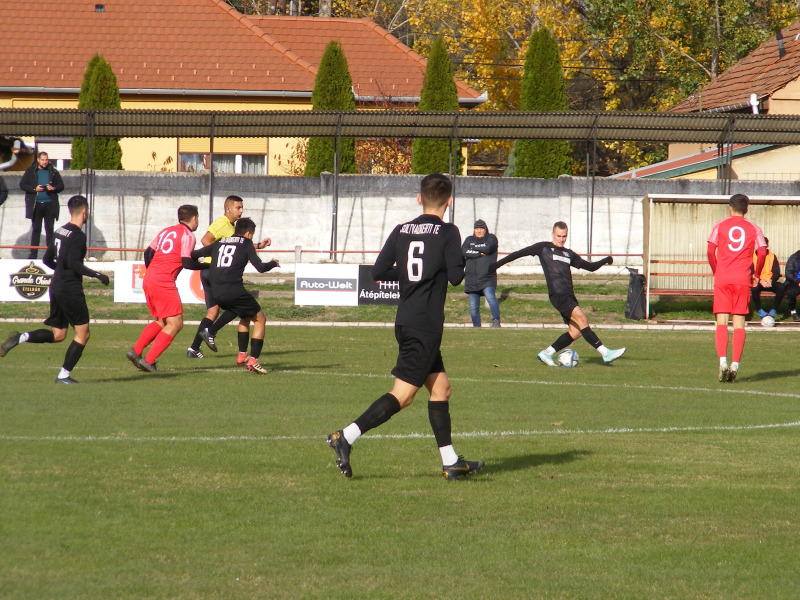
(398, 436)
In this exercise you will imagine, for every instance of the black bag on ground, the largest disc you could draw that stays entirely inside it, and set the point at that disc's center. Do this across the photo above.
(635, 303)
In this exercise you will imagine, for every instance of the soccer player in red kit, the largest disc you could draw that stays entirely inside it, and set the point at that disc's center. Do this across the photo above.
(170, 252)
(730, 253)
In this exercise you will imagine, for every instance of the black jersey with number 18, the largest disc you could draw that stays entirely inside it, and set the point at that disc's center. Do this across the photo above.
(423, 255)
(229, 257)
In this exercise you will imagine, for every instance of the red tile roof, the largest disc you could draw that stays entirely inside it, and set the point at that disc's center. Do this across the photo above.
(196, 47)
(762, 72)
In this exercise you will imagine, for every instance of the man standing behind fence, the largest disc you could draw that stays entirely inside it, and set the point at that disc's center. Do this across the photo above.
(480, 250)
(730, 254)
(41, 184)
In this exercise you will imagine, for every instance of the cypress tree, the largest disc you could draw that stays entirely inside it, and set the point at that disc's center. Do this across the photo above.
(438, 93)
(333, 90)
(543, 89)
(99, 90)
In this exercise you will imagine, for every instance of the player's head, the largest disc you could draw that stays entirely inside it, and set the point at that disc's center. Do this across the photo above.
(245, 228)
(435, 191)
(234, 206)
(738, 204)
(188, 215)
(78, 205)
(559, 234)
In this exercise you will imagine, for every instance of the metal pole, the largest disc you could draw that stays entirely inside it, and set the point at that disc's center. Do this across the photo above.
(211, 173)
(453, 166)
(335, 207)
(90, 176)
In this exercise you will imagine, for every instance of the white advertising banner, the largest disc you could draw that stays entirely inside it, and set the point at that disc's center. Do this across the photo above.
(129, 274)
(325, 285)
(24, 280)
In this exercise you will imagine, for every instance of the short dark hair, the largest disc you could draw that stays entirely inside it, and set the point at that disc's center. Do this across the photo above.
(76, 203)
(739, 203)
(186, 212)
(41, 153)
(244, 225)
(560, 225)
(435, 189)
(230, 200)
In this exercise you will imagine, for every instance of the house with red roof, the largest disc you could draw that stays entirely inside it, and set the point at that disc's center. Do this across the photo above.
(766, 81)
(197, 55)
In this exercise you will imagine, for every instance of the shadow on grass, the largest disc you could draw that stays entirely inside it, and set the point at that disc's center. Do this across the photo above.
(531, 461)
(766, 376)
(505, 294)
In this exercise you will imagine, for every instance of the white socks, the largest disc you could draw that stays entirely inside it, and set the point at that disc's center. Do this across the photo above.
(449, 456)
(351, 433)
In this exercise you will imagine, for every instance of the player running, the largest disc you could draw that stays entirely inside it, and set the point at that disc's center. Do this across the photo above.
(170, 252)
(229, 257)
(557, 262)
(65, 255)
(210, 324)
(423, 254)
(730, 253)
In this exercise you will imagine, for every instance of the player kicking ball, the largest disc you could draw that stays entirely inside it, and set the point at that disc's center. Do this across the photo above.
(557, 262)
(229, 257)
(65, 256)
(423, 255)
(730, 253)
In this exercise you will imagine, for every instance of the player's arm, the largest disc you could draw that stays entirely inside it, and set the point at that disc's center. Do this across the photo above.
(711, 254)
(201, 252)
(50, 257)
(149, 253)
(453, 258)
(529, 251)
(260, 265)
(581, 263)
(75, 263)
(383, 269)
(263, 244)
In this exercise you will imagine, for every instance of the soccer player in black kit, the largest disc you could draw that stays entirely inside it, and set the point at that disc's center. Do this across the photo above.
(423, 255)
(229, 257)
(65, 256)
(557, 262)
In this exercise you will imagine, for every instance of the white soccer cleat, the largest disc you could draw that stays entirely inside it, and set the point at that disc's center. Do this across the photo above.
(612, 355)
(546, 359)
(723, 373)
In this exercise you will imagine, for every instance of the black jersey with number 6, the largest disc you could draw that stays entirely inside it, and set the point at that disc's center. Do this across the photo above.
(229, 257)
(65, 255)
(427, 254)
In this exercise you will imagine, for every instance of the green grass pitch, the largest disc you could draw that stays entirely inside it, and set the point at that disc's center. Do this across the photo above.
(643, 479)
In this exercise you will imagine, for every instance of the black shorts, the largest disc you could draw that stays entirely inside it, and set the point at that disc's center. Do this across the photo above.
(204, 279)
(242, 303)
(564, 304)
(67, 308)
(419, 354)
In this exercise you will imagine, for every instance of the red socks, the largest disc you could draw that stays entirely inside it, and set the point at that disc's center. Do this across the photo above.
(721, 338)
(148, 335)
(738, 344)
(161, 343)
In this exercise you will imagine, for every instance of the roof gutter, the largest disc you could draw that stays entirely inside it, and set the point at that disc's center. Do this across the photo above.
(729, 108)
(416, 99)
(165, 92)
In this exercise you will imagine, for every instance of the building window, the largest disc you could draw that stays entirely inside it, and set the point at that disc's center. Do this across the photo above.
(249, 164)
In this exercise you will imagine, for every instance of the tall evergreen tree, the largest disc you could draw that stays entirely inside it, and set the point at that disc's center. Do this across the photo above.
(333, 90)
(99, 90)
(543, 89)
(438, 93)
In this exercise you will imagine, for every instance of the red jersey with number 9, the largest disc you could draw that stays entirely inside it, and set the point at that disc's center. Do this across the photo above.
(736, 240)
(172, 244)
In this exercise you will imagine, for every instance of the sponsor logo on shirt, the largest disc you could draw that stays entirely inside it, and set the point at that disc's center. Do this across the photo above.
(420, 228)
(564, 259)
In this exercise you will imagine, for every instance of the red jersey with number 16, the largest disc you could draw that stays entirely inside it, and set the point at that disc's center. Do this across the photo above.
(172, 244)
(736, 240)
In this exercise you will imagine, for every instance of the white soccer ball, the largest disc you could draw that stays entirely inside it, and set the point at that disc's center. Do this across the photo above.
(568, 358)
(767, 321)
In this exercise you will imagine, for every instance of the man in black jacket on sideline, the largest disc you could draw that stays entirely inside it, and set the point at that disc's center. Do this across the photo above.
(792, 284)
(41, 184)
(479, 251)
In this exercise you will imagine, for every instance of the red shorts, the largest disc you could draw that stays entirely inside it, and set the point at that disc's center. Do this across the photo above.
(163, 302)
(731, 299)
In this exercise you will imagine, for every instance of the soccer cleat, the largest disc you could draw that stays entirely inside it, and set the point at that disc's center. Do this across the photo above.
(762, 313)
(546, 359)
(146, 366)
(66, 380)
(723, 373)
(241, 359)
(208, 339)
(612, 355)
(11, 341)
(192, 353)
(732, 373)
(495, 323)
(134, 357)
(773, 313)
(254, 366)
(342, 448)
(460, 468)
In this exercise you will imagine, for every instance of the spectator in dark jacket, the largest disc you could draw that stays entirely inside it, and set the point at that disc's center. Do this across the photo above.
(41, 184)
(791, 284)
(768, 280)
(480, 251)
